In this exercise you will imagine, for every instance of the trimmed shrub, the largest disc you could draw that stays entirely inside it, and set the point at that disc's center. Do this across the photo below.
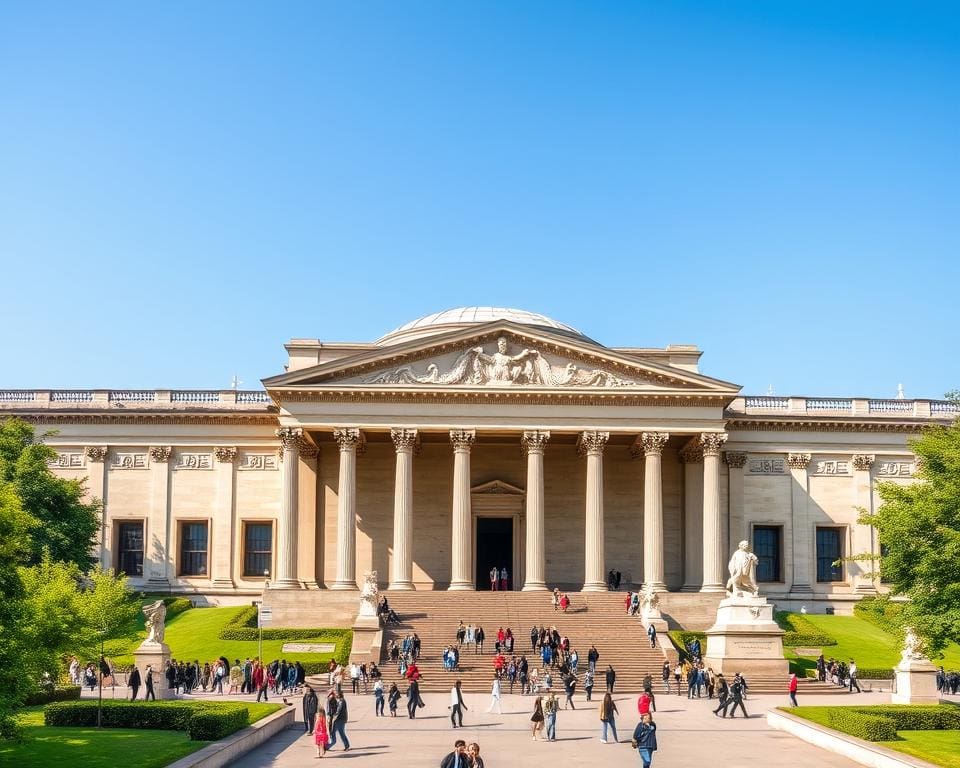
(863, 726)
(176, 605)
(917, 717)
(800, 631)
(681, 638)
(206, 725)
(220, 718)
(67, 693)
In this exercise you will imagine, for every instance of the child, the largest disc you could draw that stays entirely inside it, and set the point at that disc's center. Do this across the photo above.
(320, 735)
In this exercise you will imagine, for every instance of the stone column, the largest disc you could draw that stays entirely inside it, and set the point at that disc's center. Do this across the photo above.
(401, 576)
(286, 576)
(348, 440)
(713, 550)
(692, 458)
(591, 444)
(307, 515)
(534, 445)
(222, 533)
(738, 529)
(461, 547)
(156, 557)
(804, 554)
(863, 534)
(97, 489)
(653, 444)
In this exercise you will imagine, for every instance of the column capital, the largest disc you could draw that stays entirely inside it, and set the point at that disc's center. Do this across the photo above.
(348, 439)
(798, 460)
(592, 443)
(463, 439)
(691, 453)
(225, 455)
(649, 444)
(97, 452)
(534, 441)
(861, 461)
(712, 442)
(289, 437)
(161, 454)
(404, 439)
(307, 449)
(734, 459)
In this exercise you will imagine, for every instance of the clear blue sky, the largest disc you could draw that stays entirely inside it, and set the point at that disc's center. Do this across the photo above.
(185, 186)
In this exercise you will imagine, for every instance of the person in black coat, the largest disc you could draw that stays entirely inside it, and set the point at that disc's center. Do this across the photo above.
(310, 706)
(645, 739)
(413, 699)
(611, 677)
(133, 682)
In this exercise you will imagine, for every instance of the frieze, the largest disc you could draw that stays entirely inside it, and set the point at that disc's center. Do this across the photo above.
(888, 469)
(505, 366)
(67, 460)
(831, 468)
(194, 461)
(129, 460)
(770, 466)
(258, 461)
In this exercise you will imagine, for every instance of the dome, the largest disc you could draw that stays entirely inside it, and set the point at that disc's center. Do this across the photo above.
(461, 317)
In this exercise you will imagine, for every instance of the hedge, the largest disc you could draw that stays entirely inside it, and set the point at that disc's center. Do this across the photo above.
(681, 637)
(67, 693)
(204, 721)
(243, 626)
(176, 605)
(801, 632)
(863, 726)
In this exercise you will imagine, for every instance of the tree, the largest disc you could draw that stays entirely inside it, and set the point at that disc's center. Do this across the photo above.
(919, 530)
(66, 524)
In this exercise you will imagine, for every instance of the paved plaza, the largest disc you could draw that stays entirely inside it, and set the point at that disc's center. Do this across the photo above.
(689, 734)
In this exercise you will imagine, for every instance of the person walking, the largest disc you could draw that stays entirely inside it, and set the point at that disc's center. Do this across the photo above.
(723, 695)
(321, 736)
(133, 682)
(378, 697)
(393, 698)
(611, 678)
(793, 690)
(537, 718)
(550, 708)
(148, 681)
(665, 676)
(588, 683)
(478, 648)
(413, 699)
(310, 706)
(260, 681)
(608, 716)
(457, 705)
(852, 672)
(736, 698)
(645, 739)
(495, 696)
(652, 635)
(569, 688)
(593, 656)
(458, 758)
(338, 722)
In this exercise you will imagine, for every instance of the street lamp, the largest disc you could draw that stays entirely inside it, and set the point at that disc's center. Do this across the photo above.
(102, 664)
(266, 586)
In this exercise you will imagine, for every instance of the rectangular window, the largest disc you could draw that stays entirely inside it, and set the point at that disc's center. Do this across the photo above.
(257, 549)
(829, 551)
(766, 546)
(130, 548)
(193, 549)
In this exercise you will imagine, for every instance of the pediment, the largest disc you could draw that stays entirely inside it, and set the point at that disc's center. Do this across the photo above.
(499, 356)
(498, 488)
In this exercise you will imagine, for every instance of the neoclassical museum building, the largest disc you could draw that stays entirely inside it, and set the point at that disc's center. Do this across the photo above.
(473, 438)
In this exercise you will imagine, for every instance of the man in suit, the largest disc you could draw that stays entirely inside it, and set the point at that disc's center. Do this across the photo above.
(134, 683)
(458, 758)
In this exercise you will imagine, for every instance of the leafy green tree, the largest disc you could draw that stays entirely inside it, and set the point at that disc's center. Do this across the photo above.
(66, 524)
(919, 530)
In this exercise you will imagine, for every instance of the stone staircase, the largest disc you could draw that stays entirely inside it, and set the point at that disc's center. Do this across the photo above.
(596, 618)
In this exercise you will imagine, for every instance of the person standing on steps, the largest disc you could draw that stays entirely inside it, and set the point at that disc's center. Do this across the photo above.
(652, 635)
(480, 636)
(534, 636)
(456, 706)
(593, 656)
(504, 580)
(665, 674)
(588, 683)
(494, 574)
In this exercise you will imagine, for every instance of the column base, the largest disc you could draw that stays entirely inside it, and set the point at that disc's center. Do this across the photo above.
(462, 586)
(658, 586)
(594, 586)
(286, 584)
(690, 588)
(402, 586)
(534, 586)
(345, 585)
(713, 588)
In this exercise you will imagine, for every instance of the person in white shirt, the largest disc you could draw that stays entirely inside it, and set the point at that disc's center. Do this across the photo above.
(853, 677)
(355, 677)
(495, 696)
(457, 705)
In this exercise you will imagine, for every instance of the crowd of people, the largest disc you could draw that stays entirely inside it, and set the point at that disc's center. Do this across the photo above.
(948, 682)
(839, 673)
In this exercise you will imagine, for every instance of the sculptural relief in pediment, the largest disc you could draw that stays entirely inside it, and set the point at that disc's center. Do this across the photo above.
(500, 364)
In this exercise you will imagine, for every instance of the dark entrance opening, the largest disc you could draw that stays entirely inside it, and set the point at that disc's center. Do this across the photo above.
(494, 549)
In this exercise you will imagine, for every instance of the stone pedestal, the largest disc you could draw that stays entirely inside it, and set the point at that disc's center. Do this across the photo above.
(746, 639)
(156, 655)
(916, 683)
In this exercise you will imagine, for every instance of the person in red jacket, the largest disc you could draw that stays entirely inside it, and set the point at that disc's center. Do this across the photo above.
(260, 681)
(413, 672)
(643, 704)
(793, 690)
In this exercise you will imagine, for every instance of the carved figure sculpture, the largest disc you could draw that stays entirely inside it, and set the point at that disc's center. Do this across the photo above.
(369, 595)
(912, 647)
(743, 572)
(649, 603)
(155, 614)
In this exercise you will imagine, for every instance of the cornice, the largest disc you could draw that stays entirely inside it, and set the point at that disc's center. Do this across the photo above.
(820, 425)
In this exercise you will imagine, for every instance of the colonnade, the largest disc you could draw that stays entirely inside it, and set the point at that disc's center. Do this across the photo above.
(590, 444)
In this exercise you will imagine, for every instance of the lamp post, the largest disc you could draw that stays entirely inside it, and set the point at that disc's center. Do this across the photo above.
(100, 692)
(266, 586)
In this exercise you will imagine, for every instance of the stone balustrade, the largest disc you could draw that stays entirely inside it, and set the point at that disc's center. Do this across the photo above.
(149, 399)
(840, 406)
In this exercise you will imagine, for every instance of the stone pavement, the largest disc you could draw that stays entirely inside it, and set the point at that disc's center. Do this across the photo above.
(688, 734)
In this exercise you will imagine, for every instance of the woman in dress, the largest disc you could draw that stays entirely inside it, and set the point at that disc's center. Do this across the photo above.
(320, 735)
(536, 719)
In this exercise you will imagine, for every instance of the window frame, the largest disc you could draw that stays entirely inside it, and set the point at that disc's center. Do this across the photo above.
(182, 555)
(841, 571)
(244, 527)
(119, 553)
(777, 528)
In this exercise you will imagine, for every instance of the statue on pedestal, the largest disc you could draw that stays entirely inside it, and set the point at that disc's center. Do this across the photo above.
(649, 603)
(369, 595)
(155, 614)
(743, 572)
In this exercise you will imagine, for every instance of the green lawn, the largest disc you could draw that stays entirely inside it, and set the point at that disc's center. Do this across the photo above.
(937, 747)
(867, 643)
(93, 748)
(193, 634)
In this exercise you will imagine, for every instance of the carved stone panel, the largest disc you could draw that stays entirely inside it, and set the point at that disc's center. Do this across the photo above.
(129, 460)
(67, 460)
(258, 461)
(194, 461)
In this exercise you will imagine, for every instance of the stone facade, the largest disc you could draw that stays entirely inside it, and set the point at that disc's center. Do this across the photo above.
(392, 456)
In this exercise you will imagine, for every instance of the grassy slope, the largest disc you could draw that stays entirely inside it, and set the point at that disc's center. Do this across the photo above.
(194, 634)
